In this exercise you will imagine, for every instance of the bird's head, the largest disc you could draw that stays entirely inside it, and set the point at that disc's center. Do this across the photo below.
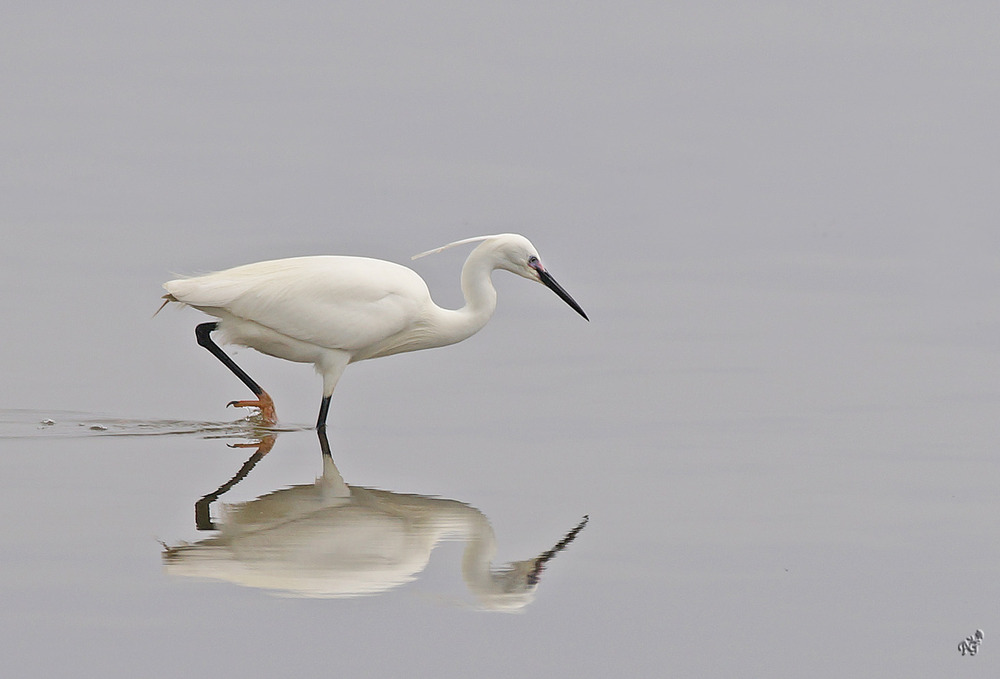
(516, 254)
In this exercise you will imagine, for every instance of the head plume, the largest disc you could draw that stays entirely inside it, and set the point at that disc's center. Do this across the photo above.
(464, 241)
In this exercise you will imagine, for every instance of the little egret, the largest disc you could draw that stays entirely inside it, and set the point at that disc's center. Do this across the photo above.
(333, 310)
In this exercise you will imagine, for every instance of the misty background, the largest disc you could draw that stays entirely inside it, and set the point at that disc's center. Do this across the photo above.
(780, 217)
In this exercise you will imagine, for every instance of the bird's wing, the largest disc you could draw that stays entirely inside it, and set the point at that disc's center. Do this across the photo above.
(347, 303)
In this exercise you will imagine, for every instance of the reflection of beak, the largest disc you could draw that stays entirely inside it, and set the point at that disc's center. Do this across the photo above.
(545, 557)
(548, 281)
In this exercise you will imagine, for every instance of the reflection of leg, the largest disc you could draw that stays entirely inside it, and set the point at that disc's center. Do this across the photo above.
(202, 513)
(332, 482)
(324, 443)
(203, 333)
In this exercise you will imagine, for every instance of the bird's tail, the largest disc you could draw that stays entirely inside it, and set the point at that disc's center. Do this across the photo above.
(167, 299)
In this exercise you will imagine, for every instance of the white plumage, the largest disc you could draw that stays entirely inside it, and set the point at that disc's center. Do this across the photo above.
(334, 310)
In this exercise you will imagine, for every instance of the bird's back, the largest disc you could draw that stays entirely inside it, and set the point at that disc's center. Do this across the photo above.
(349, 303)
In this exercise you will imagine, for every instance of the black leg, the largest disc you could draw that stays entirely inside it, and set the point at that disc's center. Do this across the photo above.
(203, 333)
(324, 408)
(324, 443)
(202, 508)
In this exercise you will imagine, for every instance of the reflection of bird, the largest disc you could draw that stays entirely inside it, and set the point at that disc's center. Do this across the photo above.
(329, 539)
(331, 311)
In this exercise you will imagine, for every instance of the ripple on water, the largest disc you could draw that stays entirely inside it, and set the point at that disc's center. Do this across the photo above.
(67, 424)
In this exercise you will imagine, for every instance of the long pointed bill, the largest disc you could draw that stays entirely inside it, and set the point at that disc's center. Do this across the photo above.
(546, 278)
(545, 557)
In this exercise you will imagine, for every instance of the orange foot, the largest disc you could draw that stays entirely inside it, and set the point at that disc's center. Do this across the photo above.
(264, 404)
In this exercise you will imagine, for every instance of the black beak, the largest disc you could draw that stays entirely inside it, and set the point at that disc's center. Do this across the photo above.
(546, 278)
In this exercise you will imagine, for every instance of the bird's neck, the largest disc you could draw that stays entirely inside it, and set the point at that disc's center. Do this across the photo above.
(480, 548)
(477, 287)
(480, 300)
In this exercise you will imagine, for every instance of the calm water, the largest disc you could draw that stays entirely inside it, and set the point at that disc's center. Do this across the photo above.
(772, 499)
(781, 423)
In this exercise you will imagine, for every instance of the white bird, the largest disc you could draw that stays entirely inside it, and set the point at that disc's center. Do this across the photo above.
(335, 310)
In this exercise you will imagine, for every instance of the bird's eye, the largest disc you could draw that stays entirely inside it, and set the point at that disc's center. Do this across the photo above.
(532, 261)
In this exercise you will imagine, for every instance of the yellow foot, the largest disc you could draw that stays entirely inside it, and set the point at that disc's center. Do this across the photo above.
(264, 404)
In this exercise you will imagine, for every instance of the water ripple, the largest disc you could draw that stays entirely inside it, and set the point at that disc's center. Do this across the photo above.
(20, 424)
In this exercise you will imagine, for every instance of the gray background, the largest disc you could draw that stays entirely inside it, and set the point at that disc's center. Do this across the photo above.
(782, 418)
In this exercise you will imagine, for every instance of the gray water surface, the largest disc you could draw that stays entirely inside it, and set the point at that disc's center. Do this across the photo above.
(781, 421)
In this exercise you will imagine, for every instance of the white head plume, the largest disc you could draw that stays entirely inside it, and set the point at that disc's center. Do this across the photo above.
(464, 241)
